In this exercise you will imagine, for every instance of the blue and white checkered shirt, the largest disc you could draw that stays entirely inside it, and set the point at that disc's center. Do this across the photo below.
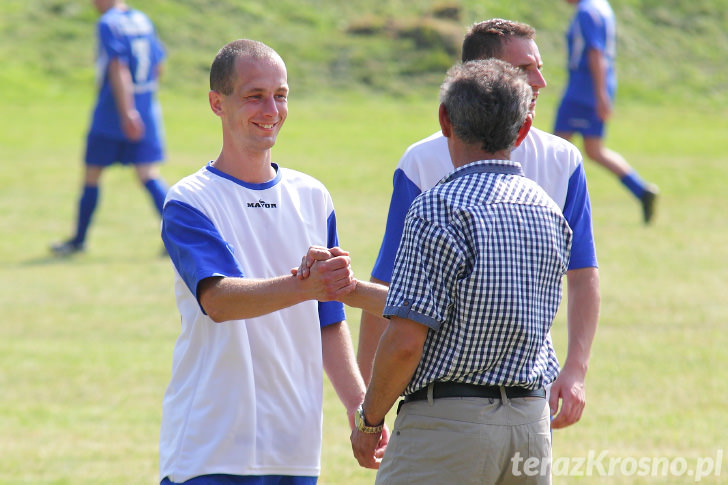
(480, 263)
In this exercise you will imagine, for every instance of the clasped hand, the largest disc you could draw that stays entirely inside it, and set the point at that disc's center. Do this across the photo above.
(330, 271)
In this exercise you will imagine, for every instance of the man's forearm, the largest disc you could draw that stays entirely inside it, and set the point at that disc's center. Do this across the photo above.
(371, 328)
(340, 366)
(398, 355)
(368, 296)
(236, 298)
(226, 299)
(582, 316)
(598, 69)
(122, 87)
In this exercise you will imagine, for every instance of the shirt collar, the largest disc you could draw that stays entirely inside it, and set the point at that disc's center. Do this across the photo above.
(507, 167)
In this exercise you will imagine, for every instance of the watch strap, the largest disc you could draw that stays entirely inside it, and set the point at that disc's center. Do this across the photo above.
(362, 425)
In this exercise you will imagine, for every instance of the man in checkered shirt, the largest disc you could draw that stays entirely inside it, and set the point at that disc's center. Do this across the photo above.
(475, 289)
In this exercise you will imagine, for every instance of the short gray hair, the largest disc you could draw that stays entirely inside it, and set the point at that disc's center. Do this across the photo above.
(487, 102)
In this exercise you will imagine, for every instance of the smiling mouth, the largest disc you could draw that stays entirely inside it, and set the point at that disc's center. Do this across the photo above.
(267, 126)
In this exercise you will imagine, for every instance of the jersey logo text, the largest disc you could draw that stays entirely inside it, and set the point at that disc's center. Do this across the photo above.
(262, 205)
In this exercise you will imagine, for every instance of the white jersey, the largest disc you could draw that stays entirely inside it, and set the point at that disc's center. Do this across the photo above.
(245, 396)
(552, 162)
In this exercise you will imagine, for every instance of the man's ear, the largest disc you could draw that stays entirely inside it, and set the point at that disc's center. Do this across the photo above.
(445, 124)
(215, 102)
(523, 131)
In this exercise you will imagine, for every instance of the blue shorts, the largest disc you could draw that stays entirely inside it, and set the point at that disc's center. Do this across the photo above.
(103, 152)
(575, 117)
(220, 479)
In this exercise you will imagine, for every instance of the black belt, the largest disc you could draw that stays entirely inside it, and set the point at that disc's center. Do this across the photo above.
(459, 389)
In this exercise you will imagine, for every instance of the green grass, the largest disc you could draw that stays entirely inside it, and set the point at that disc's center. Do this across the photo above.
(653, 390)
(670, 51)
(85, 348)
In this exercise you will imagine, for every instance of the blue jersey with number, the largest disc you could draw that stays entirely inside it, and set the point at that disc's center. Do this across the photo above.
(129, 36)
(593, 27)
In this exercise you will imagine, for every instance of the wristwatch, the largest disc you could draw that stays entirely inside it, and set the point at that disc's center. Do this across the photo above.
(361, 423)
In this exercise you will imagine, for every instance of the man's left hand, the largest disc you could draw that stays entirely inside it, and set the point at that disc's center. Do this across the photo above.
(369, 448)
(570, 390)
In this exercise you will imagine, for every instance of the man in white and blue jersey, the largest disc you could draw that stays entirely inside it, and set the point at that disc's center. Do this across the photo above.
(475, 289)
(126, 126)
(244, 402)
(556, 165)
(589, 95)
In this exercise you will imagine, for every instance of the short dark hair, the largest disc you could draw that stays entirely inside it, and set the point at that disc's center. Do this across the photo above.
(222, 71)
(485, 39)
(487, 102)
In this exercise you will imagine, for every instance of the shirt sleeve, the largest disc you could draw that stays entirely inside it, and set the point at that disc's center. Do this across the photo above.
(331, 312)
(112, 44)
(429, 263)
(403, 193)
(577, 211)
(195, 246)
(592, 29)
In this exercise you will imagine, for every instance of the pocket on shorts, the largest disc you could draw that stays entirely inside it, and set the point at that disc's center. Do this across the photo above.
(432, 450)
(539, 447)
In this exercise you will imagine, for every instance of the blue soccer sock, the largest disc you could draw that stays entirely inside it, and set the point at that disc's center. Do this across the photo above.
(86, 208)
(634, 183)
(158, 190)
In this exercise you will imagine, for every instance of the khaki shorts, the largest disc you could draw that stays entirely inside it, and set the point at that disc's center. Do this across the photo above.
(469, 441)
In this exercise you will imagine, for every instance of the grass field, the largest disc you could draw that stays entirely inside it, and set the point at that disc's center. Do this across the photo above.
(85, 349)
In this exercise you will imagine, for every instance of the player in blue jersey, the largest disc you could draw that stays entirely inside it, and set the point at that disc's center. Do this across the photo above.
(589, 96)
(127, 121)
(556, 165)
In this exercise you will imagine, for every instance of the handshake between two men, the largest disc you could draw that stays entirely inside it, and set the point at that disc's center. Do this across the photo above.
(330, 271)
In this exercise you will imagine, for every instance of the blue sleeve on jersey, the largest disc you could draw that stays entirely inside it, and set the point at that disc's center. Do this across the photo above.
(331, 312)
(332, 238)
(592, 29)
(577, 211)
(403, 193)
(114, 47)
(195, 246)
